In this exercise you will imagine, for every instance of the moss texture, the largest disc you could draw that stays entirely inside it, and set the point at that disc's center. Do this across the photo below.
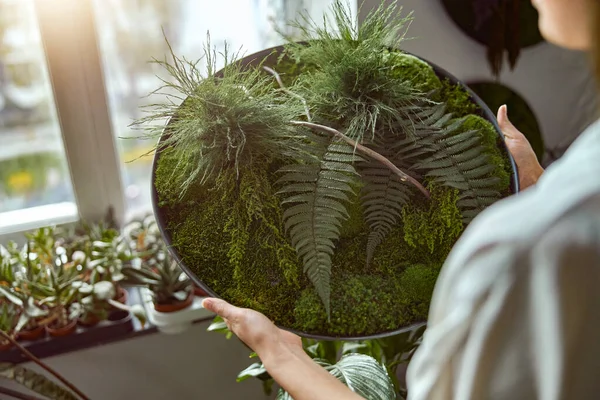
(231, 235)
(416, 70)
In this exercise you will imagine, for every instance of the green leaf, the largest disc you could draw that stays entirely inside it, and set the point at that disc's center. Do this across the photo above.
(315, 195)
(383, 198)
(362, 374)
(255, 370)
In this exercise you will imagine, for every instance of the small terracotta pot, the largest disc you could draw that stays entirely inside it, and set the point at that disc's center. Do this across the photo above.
(89, 321)
(32, 334)
(63, 330)
(122, 295)
(199, 292)
(173, 307)
(5, 346)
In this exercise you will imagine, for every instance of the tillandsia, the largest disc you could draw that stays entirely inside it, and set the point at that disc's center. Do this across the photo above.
(324, 184)
(220, 119)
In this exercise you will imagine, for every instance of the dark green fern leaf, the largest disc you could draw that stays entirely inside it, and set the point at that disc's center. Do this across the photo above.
(459, 160)
(383, 197)
(314, 195)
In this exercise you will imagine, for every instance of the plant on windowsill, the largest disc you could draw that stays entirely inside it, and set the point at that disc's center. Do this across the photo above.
(171, 289)
(9, 317)
(57, 290)
(323, 183)
(96, 303)
(32, 317)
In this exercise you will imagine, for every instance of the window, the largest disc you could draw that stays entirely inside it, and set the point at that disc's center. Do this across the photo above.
(73, 77)
(34, 178)
(130, 33)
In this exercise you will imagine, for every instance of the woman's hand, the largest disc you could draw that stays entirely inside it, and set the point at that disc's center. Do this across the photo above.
(530, 169)
(256, 330)
(282, 354)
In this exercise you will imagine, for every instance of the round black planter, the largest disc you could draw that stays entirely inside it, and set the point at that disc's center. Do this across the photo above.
(271, 55)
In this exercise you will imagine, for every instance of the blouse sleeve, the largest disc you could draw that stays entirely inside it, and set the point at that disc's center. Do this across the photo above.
(517, 320)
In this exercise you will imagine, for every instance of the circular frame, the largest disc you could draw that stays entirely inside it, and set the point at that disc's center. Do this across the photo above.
(271, 54)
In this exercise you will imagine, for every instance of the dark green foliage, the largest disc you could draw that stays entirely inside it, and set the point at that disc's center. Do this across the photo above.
(316, 193)
(384, 196)
(362, 304)
(435, 225)
(225, 121)
(416, 287)
(355, 84)
(359, 304)
(457, 99)
(464, 158)
(421, 74)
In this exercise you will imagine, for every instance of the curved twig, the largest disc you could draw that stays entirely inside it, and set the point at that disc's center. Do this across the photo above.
(286, 90)
(404, 177)
(43, 365)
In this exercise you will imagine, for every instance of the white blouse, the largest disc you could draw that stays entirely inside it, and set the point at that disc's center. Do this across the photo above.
(516, 310)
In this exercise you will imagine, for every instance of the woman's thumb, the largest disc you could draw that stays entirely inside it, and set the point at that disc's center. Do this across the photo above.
(505, 125)
(218, 306)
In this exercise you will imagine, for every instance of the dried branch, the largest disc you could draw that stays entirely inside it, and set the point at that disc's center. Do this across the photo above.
(367, 151)
(286, 90)
(43, 365)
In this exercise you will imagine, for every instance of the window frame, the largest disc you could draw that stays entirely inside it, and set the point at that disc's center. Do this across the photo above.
(68, 32)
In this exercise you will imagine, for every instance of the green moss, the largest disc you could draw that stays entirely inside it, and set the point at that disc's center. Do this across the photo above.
(367, 304)
(436, 225)
(168, 181)
(360, 305)
(416, 288)
(418, 71)
(458, 101)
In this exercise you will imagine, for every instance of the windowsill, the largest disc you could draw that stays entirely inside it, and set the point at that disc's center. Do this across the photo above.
(34, 217)
(84, 338)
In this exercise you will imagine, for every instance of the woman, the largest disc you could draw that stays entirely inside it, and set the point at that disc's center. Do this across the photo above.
(516, 310)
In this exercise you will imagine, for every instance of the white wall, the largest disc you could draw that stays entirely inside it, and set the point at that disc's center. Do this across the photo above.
(556, 83)
(196, 365)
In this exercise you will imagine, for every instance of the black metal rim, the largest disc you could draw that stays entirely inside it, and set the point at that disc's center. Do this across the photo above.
(257, 57)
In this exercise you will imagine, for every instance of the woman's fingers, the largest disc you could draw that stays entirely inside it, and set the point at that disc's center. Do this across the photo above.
(221, 308)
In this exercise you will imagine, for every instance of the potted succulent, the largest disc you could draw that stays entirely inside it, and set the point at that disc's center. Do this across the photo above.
(96, 303)
(324, 182)
(9, 316)
(108, 254)
(31, 321)
(58, 292)
(171, 288)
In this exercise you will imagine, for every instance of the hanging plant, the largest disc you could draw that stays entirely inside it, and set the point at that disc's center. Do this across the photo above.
(324, 182)
(503, 26)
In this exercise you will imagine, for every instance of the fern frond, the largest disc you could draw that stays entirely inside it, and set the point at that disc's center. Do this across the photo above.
(383, 197)
(314, 197)
(460, 160)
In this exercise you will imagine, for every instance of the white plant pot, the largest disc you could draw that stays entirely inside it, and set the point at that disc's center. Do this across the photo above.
(175, 322)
